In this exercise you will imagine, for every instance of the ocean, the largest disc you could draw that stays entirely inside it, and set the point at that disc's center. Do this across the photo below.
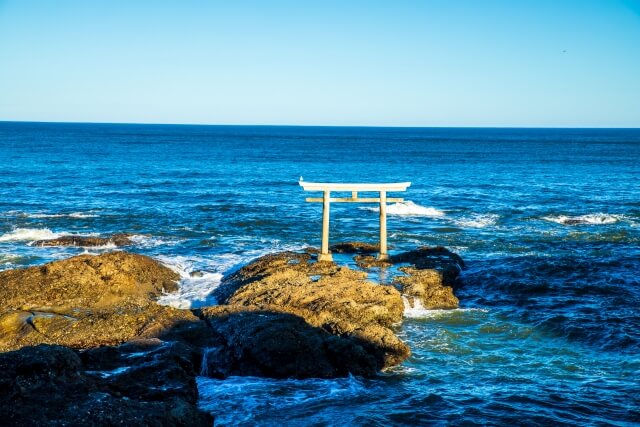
(547, 221)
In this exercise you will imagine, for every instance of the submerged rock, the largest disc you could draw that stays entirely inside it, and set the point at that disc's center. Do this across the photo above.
(53, 385)
(119, 239)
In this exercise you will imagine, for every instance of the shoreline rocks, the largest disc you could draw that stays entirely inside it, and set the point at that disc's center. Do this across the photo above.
(118, 239)
(340, 308)
(54, 385)
(88, 329)
(86, 301)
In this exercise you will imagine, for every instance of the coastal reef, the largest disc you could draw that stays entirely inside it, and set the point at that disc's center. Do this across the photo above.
(88, 333)
(118, 239)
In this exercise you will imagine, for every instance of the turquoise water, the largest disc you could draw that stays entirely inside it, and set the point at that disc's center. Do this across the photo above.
(548, 222)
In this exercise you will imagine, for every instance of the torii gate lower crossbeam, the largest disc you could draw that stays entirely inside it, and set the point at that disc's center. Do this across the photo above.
(326, 200)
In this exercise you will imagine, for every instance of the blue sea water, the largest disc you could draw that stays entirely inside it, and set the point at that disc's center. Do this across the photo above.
(547, 220)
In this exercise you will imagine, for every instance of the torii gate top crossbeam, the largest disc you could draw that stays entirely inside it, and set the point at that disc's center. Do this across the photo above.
(328, 187)
(334, 186)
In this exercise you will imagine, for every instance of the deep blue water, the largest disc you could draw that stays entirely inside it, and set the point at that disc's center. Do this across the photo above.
(548, 221)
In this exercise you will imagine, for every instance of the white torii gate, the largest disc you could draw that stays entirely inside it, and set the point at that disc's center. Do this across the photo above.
(327, 188)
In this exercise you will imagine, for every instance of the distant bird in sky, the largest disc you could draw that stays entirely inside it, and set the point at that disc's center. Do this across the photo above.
(564, 51)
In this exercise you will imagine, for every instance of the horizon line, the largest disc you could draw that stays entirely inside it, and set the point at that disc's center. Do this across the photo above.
(322, 125)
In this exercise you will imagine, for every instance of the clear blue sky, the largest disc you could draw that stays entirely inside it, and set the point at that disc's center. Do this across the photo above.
(398, 63)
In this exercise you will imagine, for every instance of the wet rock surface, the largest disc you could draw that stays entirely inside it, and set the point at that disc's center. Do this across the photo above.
(268, 343)
(119, 239)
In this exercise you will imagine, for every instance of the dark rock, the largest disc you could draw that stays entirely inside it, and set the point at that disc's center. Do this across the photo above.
(282, 345)
(438, 258)
(571, 221)
(50, 385)
(354, 248)
(97, 303)
(119, 239)
(146, 369)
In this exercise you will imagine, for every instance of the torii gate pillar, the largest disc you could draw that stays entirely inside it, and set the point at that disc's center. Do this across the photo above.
(326, 200)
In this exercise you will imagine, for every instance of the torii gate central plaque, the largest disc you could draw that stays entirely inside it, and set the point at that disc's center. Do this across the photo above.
(354, 189)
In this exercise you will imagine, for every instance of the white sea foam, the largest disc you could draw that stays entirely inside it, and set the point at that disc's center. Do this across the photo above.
(199, 276)
(235, 400)
(409, 208)
(28, 235)
(478, 220)
(418, 311)
(8, 258)
(591, 219)
(82, 215)
(195, 285)
(57, 215)
(97, 250)
(146, 241)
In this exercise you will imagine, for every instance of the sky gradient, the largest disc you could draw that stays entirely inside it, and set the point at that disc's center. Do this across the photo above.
(375, 63)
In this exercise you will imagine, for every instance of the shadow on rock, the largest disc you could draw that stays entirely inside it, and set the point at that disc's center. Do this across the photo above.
(255, 342)
(54, 385)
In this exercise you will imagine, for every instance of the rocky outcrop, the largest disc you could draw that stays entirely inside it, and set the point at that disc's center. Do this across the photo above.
(275, 344)
(119, 239)
(86, 301)
(430, 275)
(428, 287)
(92, 305)
(53, 385)
(347, 319)
(127, 358)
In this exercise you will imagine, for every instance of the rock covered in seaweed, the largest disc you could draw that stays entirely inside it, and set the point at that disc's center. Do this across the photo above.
(428, 287)
(97, 303)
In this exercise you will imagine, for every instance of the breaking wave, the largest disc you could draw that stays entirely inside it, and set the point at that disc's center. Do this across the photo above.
(418, 311)
(195, 284)
(29, 235)
(409, 208)
(146, 241)
(478, 220)
(590, 219)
